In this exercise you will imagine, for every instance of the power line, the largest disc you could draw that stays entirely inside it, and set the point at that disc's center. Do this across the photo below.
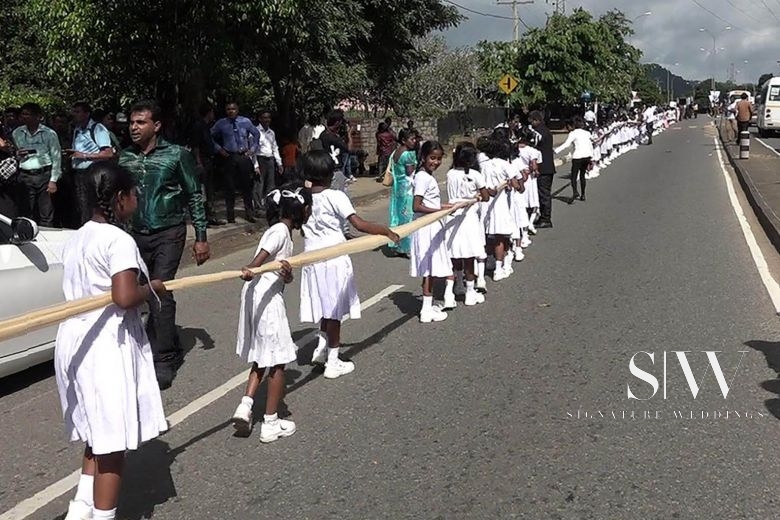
(770, 10)
(722, 19)
(744, 12)
(490, 15)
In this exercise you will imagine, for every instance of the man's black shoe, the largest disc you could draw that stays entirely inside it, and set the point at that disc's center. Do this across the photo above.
(542, 225)
(215, 222)
(250, 218)
(165, 376)
(582, 198)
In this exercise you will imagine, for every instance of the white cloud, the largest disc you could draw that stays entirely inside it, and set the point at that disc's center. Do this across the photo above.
(669, 36)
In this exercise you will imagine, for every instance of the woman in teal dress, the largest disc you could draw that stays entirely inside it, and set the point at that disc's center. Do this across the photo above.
(402, 163)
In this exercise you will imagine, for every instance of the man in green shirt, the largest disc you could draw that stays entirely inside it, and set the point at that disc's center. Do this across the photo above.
(39, 153)
(168, 188)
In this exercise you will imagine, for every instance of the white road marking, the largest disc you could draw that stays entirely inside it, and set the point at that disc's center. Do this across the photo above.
(27, 507)
(755, 251)
(770, 147)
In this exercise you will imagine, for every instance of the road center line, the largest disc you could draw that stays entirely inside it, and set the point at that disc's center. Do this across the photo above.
(767, 145)
(27, 507)
(755, 251)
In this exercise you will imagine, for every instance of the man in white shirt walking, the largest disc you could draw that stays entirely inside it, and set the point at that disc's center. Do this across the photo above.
(649, 119)
(268, 161)
(581, 157)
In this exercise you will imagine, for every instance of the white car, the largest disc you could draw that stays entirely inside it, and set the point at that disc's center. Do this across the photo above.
(30, 277)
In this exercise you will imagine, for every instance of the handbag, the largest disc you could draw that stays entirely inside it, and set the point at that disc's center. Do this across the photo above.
(8, 169)
(387, 178)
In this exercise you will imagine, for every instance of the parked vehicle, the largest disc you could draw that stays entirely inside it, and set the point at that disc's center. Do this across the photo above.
(768, 108)
(30, 278)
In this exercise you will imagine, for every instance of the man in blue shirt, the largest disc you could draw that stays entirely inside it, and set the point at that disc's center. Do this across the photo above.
(236, 140)
(91, 143)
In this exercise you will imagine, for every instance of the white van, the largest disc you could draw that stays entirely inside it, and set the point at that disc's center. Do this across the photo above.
(768, 107)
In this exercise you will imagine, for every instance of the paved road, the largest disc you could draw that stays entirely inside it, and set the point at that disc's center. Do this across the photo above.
(477, 417)
(773, 140)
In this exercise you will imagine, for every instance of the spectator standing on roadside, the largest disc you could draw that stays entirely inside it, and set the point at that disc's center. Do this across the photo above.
(268, 161)
(385, 145)
(546, 170)
(91, 143)
(744, 110)
(306, 134)
(649, 118)
(109, 121)
(731, 122)
(40, 160)
(202, 146)
(11, 121)
(235, 140)
(168, 190)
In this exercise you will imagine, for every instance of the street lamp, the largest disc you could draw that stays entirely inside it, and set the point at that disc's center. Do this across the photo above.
(714, 49)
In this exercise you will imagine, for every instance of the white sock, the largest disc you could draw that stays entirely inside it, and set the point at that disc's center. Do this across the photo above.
(333, 354)
(249, 401)
(427, 303)
(448, 290)
(481, 269)
(99, 514)
(499, 265)
(322, 340)
(268, 419)
(85, 491)
(470, 286)
(525, 234)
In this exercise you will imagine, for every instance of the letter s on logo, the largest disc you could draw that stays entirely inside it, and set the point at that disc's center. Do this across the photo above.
(644, 376)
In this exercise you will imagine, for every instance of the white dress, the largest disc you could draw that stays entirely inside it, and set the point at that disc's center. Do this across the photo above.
(531, 194)
(498, 220)
(328, 288)
(102, 359)
(263, 330)
(429, 254)
(517, 200)
(465, 234)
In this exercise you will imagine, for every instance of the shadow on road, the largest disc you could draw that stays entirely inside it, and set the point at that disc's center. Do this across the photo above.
(771, 351)
(26, 378)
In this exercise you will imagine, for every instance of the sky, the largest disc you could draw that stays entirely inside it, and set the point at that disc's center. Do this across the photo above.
(669, 36)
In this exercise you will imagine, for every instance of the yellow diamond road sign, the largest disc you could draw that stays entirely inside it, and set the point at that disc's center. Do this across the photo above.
(507, 84)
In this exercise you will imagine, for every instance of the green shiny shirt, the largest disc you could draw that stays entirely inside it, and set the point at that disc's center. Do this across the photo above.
(168, 186)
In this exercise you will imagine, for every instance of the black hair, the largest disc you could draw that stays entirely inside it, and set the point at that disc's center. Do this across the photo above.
(502, 134)
(503, 150)
(536, 115)
(465, 157)
(288, 207)
(83, 105)
(744, 95)
(483, 144)
(264, 111)
(318, 167)
(427, 148)
(147, 105)
(578, 122)
(389, 121)
(382, 128)
(525, 135)
(334, 117)
(205, 108)
(33, 108)
(405, 134)
(105, 180)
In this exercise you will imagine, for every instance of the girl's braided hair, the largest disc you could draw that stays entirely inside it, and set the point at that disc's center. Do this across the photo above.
(105, 181)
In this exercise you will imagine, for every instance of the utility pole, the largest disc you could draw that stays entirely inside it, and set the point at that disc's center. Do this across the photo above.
(515, 17)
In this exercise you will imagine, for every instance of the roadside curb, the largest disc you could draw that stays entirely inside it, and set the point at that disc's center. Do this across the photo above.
(766, 216)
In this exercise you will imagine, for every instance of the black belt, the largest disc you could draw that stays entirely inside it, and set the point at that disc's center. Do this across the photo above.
(45, 169)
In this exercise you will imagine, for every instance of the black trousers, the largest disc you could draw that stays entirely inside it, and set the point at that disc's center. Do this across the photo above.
(544, 184)
(649, 127)
(238, 173)
(742, 126)
(161, 251)
(35, 202)
(81, 186)
(265, 181)
(579, 167)
(207, 180)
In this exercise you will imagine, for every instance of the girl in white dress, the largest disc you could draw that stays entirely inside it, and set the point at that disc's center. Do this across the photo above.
(328, 291)
(102, 359)
(465, 233)
(533, 158)
(499, 223)
(430, 258)
(518, 206)
(263, 330)
(483, 143)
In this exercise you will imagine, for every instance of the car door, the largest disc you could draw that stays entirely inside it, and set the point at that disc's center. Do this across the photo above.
(30, 278)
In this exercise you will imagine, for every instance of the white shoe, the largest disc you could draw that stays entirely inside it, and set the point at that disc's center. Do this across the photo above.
(500, 274)
(338, 368)
(531, 229)
(78, 510)
(474, 298)
(242, 420)
(508, 269)
(519, 256)
(270, 432)
(449, 302)
(320, 355)
(434, 314)
(525, 242)
(481, 284)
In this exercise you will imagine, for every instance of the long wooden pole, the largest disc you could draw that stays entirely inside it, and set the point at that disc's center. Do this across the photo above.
(46, 316)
